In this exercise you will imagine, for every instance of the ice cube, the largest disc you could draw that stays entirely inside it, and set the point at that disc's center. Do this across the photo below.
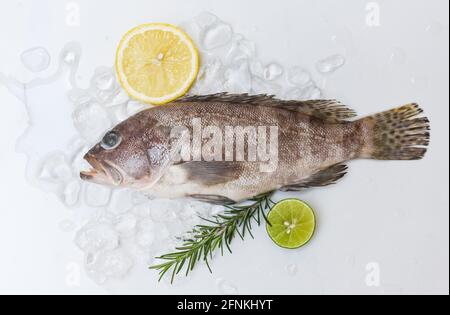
(272, 71)
(330, 64)
(216, 36)
(138, 197)
(97, 195)
(209, 79)
(111, 264)
(238, 78)
(56, 169)
(142, 210)
(75, 145)
(119, 98)
(120, 113)
(259, 86)
(314, 94)
(91, 120)
(71, 193)
(134, 107)
(121, 201)
(205, 19)
(241, 48)
(104, 85)
(79, 96)
(310, 91)
(256, 68)
(162, 232)
(298, 76)
(125, 223)
(97, 236)
(36, 59)
(103, 79)
(145, 238)
(163, 210)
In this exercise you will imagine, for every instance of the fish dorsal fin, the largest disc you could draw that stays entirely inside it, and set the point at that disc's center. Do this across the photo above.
(327, 176)
(328, 110)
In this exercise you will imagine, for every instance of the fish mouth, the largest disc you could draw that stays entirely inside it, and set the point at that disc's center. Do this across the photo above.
(101, 173)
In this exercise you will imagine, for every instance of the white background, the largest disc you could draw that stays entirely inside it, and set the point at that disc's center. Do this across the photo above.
(391, 215)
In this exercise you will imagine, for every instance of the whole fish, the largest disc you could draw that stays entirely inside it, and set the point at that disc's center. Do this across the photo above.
(313, 139)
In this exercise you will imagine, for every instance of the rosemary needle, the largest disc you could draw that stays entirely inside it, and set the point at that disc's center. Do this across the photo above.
(216, 234)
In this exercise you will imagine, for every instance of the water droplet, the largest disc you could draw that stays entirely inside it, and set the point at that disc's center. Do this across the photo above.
(273, 71)
(71, 53)
(330, 64)
(217, 36)
(226, 287)
(36, 59)
(292, 269)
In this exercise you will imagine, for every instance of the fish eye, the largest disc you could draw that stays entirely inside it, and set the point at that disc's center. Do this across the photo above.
(110, 141)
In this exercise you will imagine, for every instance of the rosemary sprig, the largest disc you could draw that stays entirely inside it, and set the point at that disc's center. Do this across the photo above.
(217, 235)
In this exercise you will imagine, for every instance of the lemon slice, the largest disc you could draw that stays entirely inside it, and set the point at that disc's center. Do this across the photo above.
(156, 63)
(292, 223)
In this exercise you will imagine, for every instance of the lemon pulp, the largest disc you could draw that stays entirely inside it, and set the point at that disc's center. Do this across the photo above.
(156, 63)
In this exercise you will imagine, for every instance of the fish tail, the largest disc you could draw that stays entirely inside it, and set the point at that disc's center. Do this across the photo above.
(397, 134)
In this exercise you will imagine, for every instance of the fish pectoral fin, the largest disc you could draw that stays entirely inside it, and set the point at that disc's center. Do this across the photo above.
(327, 176)
(213, 199)
(211, 173)
(327, 110)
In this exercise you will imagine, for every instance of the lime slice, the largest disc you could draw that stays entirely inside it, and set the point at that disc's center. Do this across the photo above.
(292, 223)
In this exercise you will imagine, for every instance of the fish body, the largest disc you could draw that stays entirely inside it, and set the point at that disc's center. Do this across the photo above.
(305, 144)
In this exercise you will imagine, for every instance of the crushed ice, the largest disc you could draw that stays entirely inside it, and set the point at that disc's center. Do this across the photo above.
(118, 229)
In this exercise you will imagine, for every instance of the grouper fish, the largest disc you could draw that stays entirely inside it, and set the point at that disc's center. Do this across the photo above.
(304, 144)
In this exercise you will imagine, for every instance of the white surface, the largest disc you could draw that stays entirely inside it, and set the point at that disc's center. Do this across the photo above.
(391, 215)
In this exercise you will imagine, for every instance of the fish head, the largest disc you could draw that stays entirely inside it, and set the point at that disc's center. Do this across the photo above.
(130, 155)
